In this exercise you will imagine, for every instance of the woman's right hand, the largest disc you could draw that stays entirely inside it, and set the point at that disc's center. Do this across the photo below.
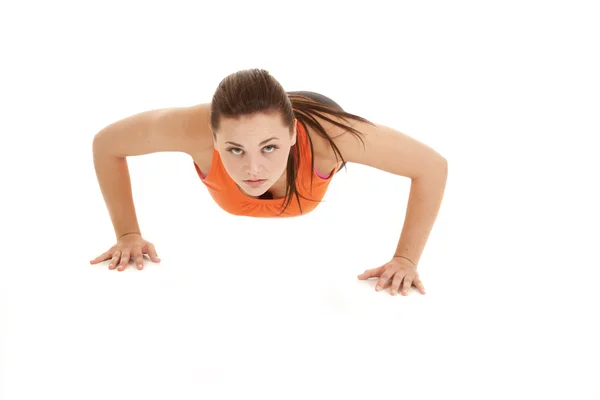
(130, 246)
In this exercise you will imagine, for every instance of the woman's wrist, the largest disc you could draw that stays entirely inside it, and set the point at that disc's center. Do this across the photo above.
(129, 233)
(406, 258)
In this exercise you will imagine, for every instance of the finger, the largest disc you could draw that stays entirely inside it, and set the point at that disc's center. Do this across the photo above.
(138, 257)
(115, 260)
(125, 258)
(102, 257)
(419, 285)
(152, 253)
(396, 284)
(383, 280)
(406, 285)
(370, 273)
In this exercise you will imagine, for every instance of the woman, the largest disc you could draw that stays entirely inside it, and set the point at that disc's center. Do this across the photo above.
(264, 152)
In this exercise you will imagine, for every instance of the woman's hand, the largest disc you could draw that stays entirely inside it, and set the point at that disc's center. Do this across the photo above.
(130, 246)
(400, 271)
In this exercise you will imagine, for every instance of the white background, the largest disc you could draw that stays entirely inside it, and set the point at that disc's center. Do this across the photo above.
(508, 92)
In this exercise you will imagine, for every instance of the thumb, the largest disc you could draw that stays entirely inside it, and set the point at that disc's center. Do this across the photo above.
(371, 273)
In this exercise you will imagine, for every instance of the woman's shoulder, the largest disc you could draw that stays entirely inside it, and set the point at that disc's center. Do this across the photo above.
(322, 151)
(202, 143)
(197, 126)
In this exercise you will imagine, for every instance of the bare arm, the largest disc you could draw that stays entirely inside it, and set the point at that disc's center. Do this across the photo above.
(173, 129)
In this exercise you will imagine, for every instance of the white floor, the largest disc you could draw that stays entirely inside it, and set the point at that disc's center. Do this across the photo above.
(243, 307)
(273, 309)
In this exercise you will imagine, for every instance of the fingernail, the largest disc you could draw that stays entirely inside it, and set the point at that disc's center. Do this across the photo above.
(140, 266)
(394, 292)
(378, 288)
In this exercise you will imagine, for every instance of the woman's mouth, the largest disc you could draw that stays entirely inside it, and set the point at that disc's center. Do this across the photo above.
(254, 183)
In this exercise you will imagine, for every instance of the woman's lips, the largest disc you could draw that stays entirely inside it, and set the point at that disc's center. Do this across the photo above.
(255, 183)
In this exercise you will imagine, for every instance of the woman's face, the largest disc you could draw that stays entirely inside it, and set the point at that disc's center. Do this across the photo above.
(254, 150)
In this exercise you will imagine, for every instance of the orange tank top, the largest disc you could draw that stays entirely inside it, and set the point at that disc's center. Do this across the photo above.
(231, 199)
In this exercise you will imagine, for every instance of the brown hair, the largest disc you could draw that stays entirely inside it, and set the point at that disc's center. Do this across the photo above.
(251, 91)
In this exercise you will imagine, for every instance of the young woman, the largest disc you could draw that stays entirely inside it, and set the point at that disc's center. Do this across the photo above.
(264, 152)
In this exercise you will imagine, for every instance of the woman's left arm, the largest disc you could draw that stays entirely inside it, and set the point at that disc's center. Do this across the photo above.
(390, 150)
(424, 201)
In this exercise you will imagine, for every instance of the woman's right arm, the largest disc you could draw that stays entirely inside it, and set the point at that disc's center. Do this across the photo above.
(181, 129)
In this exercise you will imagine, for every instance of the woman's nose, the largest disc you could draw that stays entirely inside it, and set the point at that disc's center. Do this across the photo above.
(253, 167)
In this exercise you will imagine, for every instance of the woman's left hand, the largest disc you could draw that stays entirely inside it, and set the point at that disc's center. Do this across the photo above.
(400, 271)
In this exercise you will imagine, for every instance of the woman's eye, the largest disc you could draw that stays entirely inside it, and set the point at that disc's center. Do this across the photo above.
(237, 151)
